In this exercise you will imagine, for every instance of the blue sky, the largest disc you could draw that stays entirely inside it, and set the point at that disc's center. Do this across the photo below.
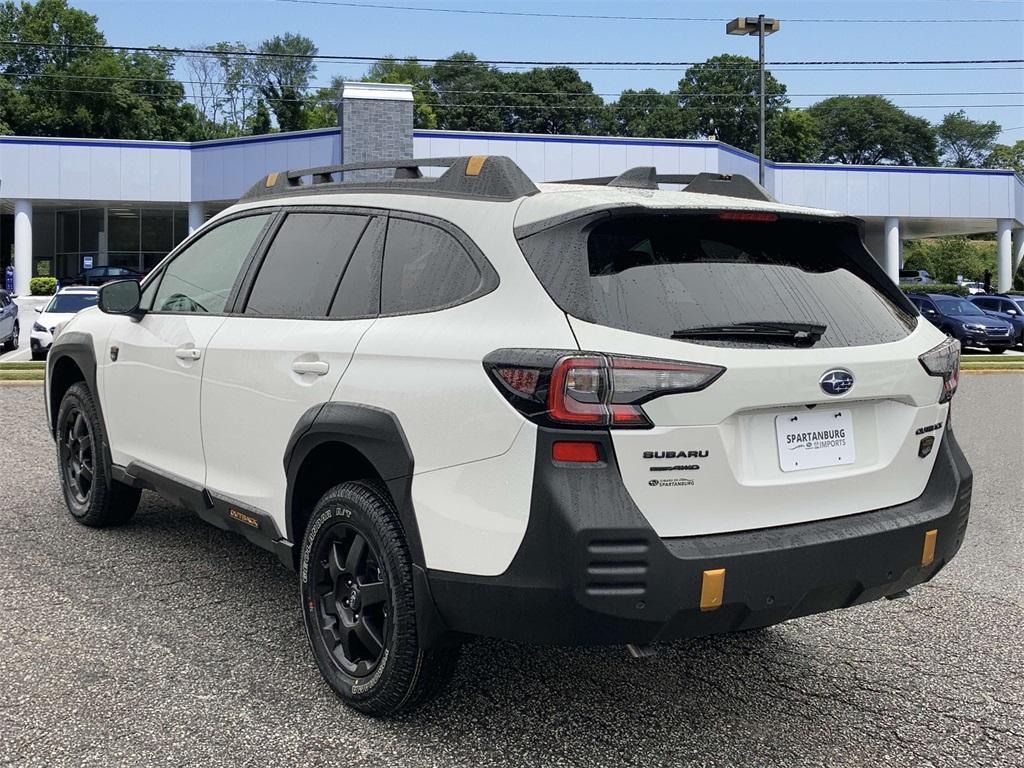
(372, 32)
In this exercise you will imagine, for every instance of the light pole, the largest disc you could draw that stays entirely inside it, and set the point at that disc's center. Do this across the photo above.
(762, 27)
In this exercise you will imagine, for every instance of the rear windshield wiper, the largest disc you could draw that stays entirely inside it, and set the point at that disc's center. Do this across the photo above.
(793, 333)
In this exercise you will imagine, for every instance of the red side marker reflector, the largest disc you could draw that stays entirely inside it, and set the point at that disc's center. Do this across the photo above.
(579, 452)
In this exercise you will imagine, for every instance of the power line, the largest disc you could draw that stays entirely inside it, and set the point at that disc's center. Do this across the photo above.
(348, 58)
(245, 84)
(611, 17)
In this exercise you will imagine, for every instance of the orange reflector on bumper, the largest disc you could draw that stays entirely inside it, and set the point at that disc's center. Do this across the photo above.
(928, 554)
(712, 586)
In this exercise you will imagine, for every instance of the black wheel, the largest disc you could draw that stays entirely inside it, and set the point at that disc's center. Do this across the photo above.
(38, 354)
(997, 350)
(93, 498)
(357, 601)
(13, 340)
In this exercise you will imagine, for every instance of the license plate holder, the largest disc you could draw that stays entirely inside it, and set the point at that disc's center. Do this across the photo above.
(814, 439)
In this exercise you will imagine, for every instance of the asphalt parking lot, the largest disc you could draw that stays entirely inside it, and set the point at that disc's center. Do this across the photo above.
(170, 643)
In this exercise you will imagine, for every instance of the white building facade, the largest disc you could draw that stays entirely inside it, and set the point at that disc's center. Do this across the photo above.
(69, 203)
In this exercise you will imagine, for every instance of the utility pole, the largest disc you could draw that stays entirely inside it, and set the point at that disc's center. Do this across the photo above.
(762, 27)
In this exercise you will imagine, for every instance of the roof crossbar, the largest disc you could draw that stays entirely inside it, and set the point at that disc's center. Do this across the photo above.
(483, 176)
(646, 177)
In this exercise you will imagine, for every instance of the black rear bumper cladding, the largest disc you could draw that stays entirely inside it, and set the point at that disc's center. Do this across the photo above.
(591, 571)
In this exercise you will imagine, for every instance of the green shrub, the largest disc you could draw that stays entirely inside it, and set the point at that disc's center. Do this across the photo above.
(43, 286)
(949, 288)
(946, 258)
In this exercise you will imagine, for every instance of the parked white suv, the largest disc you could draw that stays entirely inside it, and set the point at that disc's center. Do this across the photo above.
(584, 413)
(54, 315)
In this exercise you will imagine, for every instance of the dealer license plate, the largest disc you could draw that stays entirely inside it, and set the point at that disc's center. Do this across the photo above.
(812, 439)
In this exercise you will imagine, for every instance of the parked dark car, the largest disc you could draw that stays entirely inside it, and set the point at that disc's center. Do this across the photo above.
(9, 329)
(964, 321)
(101, 275)
(1010, 309)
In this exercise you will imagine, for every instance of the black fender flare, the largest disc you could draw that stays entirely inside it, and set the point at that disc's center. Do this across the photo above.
(377, 434)
(78, 347)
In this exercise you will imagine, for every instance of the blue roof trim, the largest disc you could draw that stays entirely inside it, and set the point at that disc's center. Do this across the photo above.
(181, 146)
(705, 144)
(266, 138)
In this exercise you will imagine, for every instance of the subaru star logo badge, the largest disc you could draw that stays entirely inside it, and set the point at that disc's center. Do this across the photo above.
(838, 381)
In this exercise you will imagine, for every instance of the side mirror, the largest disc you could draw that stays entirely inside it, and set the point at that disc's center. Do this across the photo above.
(930, 312)
(39, 310)
(121, 298)
(1012, 312)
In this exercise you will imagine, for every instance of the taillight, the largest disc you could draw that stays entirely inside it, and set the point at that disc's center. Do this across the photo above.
(944, 361)
(588, 389)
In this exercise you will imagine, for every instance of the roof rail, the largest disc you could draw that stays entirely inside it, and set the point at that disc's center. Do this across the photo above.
(646, 177)
(478, 176)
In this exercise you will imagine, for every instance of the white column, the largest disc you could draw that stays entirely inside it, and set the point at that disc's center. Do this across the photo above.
(1017, 250)
(196, 216)
(892, 248)
(1004, 279)
(22, 246)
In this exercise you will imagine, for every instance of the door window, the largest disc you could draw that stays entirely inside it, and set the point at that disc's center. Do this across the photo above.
(358, 295)
(200, 278)
(303, 267)
(425, 268)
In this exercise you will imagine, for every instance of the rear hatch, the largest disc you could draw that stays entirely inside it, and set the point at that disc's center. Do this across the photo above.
(823, 404)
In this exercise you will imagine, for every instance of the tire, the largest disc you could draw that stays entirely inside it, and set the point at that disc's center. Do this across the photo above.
(13, 340)
(38, 354)
(358, 606)
(997, 350)
(92, 497)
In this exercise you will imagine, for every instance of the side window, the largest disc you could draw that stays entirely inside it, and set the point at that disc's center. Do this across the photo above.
(425, 268)
(303, 266)
(201, 277)
(359, 293)
(984, 303)
(927, 305)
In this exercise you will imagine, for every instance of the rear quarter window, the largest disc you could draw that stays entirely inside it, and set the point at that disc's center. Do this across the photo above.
(658, 274)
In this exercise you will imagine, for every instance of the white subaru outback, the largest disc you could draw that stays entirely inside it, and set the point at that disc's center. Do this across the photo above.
(595, 412)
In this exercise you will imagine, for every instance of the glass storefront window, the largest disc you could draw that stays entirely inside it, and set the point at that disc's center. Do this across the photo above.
(67, 232)
(157, 230)
(123, 227)
(91, 231)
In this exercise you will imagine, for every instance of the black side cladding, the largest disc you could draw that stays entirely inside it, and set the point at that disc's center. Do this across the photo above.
(373, 432)
(592, 571)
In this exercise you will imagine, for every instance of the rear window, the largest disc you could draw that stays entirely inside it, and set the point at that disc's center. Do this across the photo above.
(660, 274)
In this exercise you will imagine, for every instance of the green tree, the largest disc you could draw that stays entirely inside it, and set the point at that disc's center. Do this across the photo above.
(794, 136)
(948, 258)
(965, 143)
(409, 71)
(84, 92)
(872, 130)
(1007, 156)
(284, 71)
(648, 113)
(553, 100)
(470, 96)
(259, 122)
(721, 96)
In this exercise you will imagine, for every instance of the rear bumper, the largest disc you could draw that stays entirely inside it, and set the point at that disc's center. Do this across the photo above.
(591, 571)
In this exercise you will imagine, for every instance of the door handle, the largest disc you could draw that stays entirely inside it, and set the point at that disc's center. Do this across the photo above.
(319, 367)
(188, 353)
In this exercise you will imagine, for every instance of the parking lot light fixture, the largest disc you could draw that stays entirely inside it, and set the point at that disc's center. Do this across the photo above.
(762, 27)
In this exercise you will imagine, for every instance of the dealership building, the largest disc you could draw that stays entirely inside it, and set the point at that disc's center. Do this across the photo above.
(66, 204)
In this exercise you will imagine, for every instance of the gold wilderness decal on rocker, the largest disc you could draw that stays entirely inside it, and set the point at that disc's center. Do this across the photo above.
(242, 517)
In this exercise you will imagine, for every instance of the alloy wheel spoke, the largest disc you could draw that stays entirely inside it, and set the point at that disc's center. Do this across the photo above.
(373, 644)
(356, 554)
(79, 428)
(372, 593)
(334, 564)
(345, 641)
